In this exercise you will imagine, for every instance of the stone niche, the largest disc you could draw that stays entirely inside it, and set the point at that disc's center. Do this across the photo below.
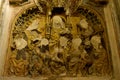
(58, 42)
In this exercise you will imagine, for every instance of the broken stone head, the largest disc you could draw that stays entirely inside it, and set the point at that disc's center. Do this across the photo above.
(96, 41)
(76, 43)
(84, 24)
(20, 43)
(63, 41)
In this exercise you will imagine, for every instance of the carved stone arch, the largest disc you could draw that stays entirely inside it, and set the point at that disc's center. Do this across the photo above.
(24, 31)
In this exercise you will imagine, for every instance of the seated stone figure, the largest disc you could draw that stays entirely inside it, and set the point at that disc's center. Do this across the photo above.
(58, 26)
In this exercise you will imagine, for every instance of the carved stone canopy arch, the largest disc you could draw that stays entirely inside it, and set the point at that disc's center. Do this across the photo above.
(66, 4)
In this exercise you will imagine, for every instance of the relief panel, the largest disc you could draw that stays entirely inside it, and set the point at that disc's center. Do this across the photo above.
(58, 44)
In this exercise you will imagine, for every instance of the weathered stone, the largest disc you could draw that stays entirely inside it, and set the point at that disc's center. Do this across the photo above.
(84, 24)
(58, 22)
(96, 40)
(20, 43)
(76, 43)
(63, 41)
(34, 25)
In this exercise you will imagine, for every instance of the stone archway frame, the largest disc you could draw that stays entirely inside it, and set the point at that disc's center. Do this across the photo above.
(20, 13)
(112, 23)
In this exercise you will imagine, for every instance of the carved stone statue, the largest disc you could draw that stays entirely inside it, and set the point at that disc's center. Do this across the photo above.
(85, 30)
(99, 54)
(57, 27)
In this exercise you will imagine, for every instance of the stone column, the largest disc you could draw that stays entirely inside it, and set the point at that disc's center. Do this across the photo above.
(4, 35)
(112, 24)
(1, 9)
(116, 4)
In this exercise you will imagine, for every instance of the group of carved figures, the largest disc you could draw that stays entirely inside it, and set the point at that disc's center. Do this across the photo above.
(62, 54)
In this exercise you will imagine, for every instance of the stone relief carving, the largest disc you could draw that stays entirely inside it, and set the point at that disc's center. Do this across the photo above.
(58, 47)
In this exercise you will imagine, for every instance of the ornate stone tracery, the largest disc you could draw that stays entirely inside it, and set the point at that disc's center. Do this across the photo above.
(58, 44)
